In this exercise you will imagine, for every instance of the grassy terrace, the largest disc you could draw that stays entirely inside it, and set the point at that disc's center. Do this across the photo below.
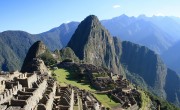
(62, 77)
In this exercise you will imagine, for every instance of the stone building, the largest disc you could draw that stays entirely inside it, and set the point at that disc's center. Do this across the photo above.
(34, 91)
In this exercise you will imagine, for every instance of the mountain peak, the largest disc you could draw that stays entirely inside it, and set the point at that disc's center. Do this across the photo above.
(124, 15)
(91, 17)
(86, 30)
(35, 50)
(93, 44)
(91, 20)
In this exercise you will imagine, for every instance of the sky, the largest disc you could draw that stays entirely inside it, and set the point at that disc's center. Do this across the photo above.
(36, 16)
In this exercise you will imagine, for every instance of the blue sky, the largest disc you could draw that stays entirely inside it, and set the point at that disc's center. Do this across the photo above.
(36, 16)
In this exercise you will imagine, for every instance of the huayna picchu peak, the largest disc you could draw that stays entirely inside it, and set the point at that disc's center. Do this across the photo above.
(93, 44)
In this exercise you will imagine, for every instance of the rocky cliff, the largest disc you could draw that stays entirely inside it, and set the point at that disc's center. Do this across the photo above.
(146, 63)
(93, 44)
(172, 87)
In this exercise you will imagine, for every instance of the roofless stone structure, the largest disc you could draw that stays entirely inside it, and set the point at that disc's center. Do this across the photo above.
(36, 91)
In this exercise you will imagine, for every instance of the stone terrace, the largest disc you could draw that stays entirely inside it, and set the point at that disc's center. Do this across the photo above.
(34, 91)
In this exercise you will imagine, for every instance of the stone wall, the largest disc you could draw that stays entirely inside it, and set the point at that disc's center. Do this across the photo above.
(34, 91)
(8, 94)
(37, 95)
(2, 86)
(26, 79)
(9, 75)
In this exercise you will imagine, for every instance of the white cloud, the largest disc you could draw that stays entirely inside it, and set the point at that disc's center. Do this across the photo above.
(116, 6)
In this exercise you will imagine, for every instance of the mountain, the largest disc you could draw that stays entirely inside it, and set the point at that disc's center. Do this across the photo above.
(15, 44)
(68, 53)
(177, 19)
(140, 30)
(172, 57)
(172, 87)
(35, 51)
(167, 24)
(58, 36)
(151, 71)
(146, 63)
(8, 59)
(159, 33)
(14, 50)
(116, 25)
(93, 44)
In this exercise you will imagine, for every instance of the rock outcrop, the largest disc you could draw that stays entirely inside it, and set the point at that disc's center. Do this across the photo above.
(32, 62)
(68, 53)
(93, 44)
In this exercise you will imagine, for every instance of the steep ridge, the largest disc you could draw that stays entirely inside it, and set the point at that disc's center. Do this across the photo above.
(144, 62)
(93, 44)
(172, 87)
(141, 61)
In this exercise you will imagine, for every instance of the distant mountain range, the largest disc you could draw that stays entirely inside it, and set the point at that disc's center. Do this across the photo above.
(157, 32)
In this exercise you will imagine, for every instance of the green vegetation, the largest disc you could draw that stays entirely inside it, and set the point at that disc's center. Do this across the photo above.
(135, 79)
(164, 105)
(8, 59)
(63, 77)
(106, 100)
(145, 100)
(95, 75)
(67, 53)
(47, 58)
(150, 101)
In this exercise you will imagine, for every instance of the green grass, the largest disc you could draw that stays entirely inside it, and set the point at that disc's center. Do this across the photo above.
(62, 77)
(105, 100)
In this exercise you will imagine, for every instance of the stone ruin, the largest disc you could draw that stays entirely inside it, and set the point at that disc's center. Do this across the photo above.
(33, 91)
(104, 81)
